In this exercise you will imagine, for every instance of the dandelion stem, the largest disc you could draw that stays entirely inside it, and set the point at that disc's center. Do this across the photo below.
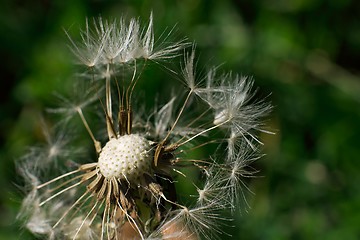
(109, 119)
(70, 208)
(174, 203)
(108, 222)
(97, 144)
(197, 118)
(80, 207)
(198, 146)
(115, 212)
(57, 178)
(86, 217)
(64, 183)
(178, 116)
(131, 219)
(137, 79)
(59, 193)
(103, 223)
(128, 94)
(202, 132)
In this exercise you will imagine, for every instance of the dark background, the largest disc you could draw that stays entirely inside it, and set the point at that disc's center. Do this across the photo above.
(304, 53)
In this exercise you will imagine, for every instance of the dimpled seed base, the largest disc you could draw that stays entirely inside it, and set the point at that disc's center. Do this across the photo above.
(127, 157)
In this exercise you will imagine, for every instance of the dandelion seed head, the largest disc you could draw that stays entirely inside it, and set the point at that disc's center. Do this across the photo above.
(125, 188)
(128, 156)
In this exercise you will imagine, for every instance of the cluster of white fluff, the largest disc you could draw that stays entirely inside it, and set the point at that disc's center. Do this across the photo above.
(117, 43)
(214, 116)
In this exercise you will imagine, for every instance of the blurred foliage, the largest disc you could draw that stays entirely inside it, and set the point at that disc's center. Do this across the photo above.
(304, 55)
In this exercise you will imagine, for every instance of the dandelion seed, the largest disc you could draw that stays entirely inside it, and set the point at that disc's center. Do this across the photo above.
(230, 100)
(125, 188)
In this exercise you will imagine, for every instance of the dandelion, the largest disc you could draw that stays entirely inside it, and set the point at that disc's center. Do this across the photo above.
(127, 188)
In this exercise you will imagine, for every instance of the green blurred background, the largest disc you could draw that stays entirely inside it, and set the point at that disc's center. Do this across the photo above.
(305, 54)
